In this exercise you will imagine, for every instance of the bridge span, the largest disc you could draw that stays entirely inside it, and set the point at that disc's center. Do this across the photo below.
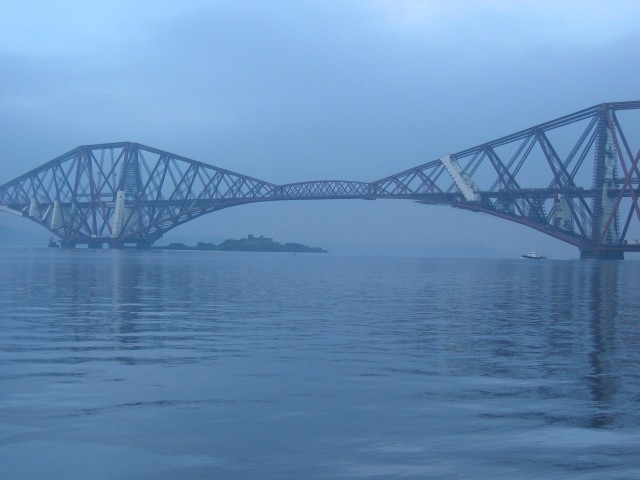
(575, 178)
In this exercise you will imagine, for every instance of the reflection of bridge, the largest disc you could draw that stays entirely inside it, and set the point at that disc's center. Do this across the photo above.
(575, 178)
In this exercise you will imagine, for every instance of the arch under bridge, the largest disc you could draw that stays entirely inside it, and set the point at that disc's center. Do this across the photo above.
(575, 178)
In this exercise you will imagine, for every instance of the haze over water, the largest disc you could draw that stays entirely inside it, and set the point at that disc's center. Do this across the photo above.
(163, 365)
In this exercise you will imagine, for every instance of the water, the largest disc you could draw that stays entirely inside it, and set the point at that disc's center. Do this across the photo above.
(202, 365)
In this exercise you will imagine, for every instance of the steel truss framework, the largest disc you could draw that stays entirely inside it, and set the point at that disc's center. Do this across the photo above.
(575, 178)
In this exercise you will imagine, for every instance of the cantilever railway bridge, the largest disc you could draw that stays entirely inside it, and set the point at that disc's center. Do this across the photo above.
(575, 178)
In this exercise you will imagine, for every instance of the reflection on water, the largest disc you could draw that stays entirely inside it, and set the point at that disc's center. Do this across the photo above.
(218, 365)
(604, 296)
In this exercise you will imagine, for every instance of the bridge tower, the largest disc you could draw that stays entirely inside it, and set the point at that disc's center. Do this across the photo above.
(127, 213)
(604, 241)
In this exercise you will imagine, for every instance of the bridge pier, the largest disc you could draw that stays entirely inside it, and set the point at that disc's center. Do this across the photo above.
(601, 254)
(95, 245)
(140, 245)
(66, 244)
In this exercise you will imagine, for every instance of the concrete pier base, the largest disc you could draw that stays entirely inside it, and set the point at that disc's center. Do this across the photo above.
(586, 254)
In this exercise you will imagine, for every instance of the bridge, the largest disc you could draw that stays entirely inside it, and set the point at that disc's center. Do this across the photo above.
(575, 178)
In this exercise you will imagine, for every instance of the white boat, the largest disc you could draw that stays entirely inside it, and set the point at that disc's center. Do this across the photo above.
(533, 255)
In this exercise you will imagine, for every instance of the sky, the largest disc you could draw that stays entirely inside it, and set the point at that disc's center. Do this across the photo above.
(296, 90)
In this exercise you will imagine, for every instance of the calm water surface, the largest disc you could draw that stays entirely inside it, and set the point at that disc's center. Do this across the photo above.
(211, 365)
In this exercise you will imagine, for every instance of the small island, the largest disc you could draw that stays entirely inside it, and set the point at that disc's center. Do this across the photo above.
(247, 244)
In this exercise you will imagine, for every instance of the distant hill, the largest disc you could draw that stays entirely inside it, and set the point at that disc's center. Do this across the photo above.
(248, 244)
